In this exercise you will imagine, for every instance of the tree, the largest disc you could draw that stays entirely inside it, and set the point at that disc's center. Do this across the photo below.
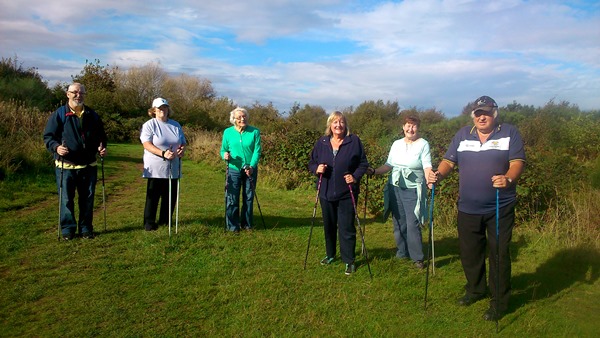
(266, 118)
(99, 82)
(23, 85)
(308, 117)
(137, 87)
(373, 120)
(188, 96)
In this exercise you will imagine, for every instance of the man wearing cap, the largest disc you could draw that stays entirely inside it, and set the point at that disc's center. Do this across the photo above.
(75, 135)
(491, 158)
(164, 144)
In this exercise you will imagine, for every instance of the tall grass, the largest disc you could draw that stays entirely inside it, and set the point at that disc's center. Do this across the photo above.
(21, 146)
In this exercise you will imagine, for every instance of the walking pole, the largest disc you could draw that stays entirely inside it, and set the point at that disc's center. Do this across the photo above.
(177, 200)
(430, 246)
(312, 223)
(60, 188)
(170, 197)
(365, 210)
(362, 236)
(255, 195)
(497, 256)
(103, 189)
(226, 184)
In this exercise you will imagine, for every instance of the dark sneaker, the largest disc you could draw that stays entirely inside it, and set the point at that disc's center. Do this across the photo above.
(327, 260)
(87, 235)
(467, 300)
(350, 269)
(67, 237)
(491, 315)
(419, 265)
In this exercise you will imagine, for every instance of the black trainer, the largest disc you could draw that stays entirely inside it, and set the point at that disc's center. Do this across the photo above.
(491, 315)
(87, 235)
(419, 265)
(327, 260)
(467, 299)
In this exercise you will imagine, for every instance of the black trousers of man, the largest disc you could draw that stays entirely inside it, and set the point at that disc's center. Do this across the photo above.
(473, 243)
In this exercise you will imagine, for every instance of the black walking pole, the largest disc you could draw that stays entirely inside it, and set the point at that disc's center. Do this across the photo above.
(430, 246)
(255, 195)
(103, 189)
(362, 236)
(60, 189)
(312, 224)
(497, 256)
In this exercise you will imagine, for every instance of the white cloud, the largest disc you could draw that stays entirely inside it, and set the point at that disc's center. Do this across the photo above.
(425, 53)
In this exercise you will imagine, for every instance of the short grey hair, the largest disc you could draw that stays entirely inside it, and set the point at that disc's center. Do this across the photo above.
(232, 114)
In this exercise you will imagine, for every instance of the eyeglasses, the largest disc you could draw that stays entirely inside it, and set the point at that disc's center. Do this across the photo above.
(483, 112)
(76, 92)
(239, 118)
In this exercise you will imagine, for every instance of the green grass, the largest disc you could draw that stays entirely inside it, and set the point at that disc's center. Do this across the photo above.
(204, 282)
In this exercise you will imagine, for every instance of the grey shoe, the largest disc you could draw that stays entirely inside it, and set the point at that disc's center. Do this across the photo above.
(350, 269)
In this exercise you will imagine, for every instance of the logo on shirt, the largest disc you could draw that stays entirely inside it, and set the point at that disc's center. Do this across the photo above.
(494, 144)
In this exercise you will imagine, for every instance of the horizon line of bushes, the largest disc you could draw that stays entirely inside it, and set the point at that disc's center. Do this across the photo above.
(562, 142)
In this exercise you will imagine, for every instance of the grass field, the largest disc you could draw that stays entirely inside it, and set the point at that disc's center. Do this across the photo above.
(204, 282)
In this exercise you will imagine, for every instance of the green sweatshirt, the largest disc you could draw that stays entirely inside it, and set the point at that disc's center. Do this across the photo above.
(243, 147)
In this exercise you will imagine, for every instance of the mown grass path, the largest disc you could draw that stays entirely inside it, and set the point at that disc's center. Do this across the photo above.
(204, 282)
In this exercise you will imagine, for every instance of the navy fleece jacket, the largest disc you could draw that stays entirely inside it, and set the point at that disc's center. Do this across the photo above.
(350, 158)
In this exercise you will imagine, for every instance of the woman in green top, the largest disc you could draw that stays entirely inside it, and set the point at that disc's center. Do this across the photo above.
(241, 149)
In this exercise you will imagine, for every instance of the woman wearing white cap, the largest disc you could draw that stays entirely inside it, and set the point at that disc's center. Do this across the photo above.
(163, 142)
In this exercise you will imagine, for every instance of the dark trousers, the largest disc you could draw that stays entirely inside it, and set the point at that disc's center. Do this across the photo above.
(338, 217)
(472, 240)
(158, 189)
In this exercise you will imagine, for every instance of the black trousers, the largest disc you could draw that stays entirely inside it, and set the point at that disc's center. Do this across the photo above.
(473, 242)
(158, 189)
(338, 216)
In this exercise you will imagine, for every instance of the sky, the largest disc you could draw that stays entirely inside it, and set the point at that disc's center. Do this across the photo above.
(336, 54)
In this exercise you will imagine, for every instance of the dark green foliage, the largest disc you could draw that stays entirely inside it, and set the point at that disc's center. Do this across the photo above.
(309, 117)
(23, 85)
(595, 175)
(266, 118)
(100, 86)
(290, 151)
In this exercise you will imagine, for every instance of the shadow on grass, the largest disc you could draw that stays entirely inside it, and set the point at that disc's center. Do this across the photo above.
(565, 269)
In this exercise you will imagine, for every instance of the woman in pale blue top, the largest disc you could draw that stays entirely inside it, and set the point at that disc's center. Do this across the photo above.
(410, 162)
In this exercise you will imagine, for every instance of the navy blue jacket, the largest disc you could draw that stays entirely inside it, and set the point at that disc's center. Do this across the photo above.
(350, 158)
(82, 137)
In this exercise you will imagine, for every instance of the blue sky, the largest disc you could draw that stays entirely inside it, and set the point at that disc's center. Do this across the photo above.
(333, 53)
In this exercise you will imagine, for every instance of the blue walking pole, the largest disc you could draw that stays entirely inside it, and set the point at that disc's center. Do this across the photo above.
(430, 246)
(497, 255)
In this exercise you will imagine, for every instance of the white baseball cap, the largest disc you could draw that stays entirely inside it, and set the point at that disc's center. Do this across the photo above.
(159, 101)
